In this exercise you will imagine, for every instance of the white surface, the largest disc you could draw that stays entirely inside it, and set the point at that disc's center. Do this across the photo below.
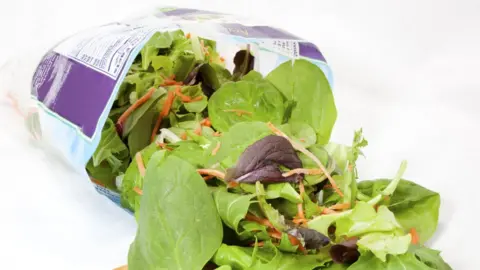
(407, 72)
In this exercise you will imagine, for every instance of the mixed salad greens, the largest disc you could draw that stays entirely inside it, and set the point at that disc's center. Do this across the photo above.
(237, 171)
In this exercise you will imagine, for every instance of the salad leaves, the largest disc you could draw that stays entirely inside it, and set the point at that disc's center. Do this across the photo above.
(235, 170)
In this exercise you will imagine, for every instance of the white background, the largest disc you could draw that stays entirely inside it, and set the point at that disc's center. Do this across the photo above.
(406, 71)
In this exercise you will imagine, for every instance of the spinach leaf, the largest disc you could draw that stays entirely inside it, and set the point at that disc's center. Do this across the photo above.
(110, 148)
(244, 101)
(183, 65)
(236, 140)
(102, 173)
(413, 205)
(178, 224)
(300, 132)
(234, 256)
(132, 178)
(283, 190)
(231, 207)
(191, 152)
(139, 137)
(272, 214)
(305, 84)
(253, 76)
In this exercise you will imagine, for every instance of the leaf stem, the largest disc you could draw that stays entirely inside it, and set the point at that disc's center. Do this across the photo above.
(391, 186)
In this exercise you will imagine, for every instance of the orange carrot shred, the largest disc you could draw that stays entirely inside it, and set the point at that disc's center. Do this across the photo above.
(198, 131)
(141, 166)
(215, 150)
(184, 98)
(340, 206)
(134, 106)
(213, 172)
(327, 211)
(258, 220)
(414, 234)
(217, 134)
(183, 136)
(232, 184)
(97, 182)
(206, 122)
(208, 177)
(303, 171)
(188, 35)
(164, 146)
(222, 59)
(165, 110)
(138, 190)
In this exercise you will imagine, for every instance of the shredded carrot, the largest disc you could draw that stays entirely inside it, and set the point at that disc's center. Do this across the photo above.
(97, 182)
(259, 244)
(184, 98)
(123, 267)
(188, 35)
(134, 106)
(414, 234)
(196, 99)
(232, 184)
(165, 110)
(198, 131)
(327, 211)
(302, 171)
(327, 186)
(293, 240)
(208, 177)
(217, 134)
(302, 140)
(164, 146)
(141, 166)
(206, 122)
(258, 220)
(138, 190)
(183, 136)
(170, 82)
(213, 172)
(301, 214)
(238, 112)
(340, 206)
(310, 155)
(215, 150)
(222, 59)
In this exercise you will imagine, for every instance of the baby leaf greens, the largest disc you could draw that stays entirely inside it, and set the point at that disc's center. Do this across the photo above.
(235, 170)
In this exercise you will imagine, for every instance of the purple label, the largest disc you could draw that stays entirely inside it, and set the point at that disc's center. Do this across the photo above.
(257, 31)
(309, 50)
(72, 90)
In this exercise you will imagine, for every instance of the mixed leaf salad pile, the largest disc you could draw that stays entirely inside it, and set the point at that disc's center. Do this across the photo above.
(236, 170)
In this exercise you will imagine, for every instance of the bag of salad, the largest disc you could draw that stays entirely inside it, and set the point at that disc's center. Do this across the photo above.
(215, 132)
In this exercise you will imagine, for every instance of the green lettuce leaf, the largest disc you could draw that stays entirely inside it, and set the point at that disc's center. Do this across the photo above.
(381, 244)
(257, 101)
(177, 219)
(111, 149)
(364, 219)
(305, 84)
(152, 47)
(413, 205)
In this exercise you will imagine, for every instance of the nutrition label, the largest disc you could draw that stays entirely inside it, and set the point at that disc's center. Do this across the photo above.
(288, 48)
(105, 49)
